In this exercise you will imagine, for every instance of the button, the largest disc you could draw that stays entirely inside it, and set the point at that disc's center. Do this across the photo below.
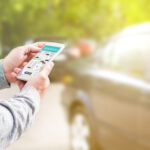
(29, 73)
(42, 62)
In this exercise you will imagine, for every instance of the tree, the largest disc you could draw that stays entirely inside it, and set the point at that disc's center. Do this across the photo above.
(23, 19)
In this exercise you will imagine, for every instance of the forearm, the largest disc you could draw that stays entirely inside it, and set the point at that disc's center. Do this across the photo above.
(17, 114)
(3, 81)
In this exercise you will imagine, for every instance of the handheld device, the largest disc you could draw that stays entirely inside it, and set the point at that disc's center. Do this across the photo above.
(35, 65)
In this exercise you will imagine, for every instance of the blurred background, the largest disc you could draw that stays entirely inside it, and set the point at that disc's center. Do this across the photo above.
(22, 20)
(99, 95)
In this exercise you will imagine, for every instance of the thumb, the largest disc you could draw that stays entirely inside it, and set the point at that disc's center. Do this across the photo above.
(47, 68)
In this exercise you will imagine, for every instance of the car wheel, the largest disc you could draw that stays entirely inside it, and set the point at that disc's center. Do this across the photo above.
(81, 132)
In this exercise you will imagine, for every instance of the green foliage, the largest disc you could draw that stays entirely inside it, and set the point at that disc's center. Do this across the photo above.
(23, 19)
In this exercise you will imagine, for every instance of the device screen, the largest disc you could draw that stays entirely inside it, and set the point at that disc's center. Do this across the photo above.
(46, 54)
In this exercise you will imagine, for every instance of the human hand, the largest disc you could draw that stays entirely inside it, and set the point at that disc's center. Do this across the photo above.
(17, 58)
(41, 81)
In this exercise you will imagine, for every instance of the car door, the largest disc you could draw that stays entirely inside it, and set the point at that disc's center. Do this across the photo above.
(144, 115)
(118, 93)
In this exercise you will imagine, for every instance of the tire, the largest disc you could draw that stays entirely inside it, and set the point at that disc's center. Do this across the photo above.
(82, 135)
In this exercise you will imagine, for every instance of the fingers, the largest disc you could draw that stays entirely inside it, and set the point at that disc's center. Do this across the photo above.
(24, 64)
(21, 66)
(14, 79)
(17, 70)
(32, 49)
(30, 56)
(47, 68)
(35, 47)
(13, 76)
(39, 44)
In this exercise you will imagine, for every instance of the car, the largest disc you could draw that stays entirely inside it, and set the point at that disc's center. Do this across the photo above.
(107, 93)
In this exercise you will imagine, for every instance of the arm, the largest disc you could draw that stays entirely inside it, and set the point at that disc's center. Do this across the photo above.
(3, 81)
(17, 114)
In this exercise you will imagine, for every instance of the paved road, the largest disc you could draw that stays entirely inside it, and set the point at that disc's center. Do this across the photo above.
(50, 130)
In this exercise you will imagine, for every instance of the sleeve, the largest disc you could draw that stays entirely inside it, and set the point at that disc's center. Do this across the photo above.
(17, 114)
(3, 81)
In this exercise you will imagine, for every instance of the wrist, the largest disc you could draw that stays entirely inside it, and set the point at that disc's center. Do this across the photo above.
(6, 74)
(35, 86)
(4, 83)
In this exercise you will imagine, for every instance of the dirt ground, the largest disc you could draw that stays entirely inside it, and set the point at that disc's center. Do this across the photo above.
(49, 131)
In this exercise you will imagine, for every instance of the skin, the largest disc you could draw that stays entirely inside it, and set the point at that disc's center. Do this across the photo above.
(42, 79)
(18, 58)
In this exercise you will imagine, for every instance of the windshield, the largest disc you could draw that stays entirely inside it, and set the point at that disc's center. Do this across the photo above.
(128, 54)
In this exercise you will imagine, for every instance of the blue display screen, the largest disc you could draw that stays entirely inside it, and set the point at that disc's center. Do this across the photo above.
(49, 48)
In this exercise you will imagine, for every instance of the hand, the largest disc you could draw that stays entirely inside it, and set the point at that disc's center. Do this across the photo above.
(18, 58)
(41, 81)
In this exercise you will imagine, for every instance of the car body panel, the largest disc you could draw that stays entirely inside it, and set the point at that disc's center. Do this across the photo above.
(117, 101)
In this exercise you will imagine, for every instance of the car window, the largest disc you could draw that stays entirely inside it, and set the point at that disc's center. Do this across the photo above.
(130, 55)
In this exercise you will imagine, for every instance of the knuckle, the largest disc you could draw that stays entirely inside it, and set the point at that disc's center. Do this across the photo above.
(42, 76)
